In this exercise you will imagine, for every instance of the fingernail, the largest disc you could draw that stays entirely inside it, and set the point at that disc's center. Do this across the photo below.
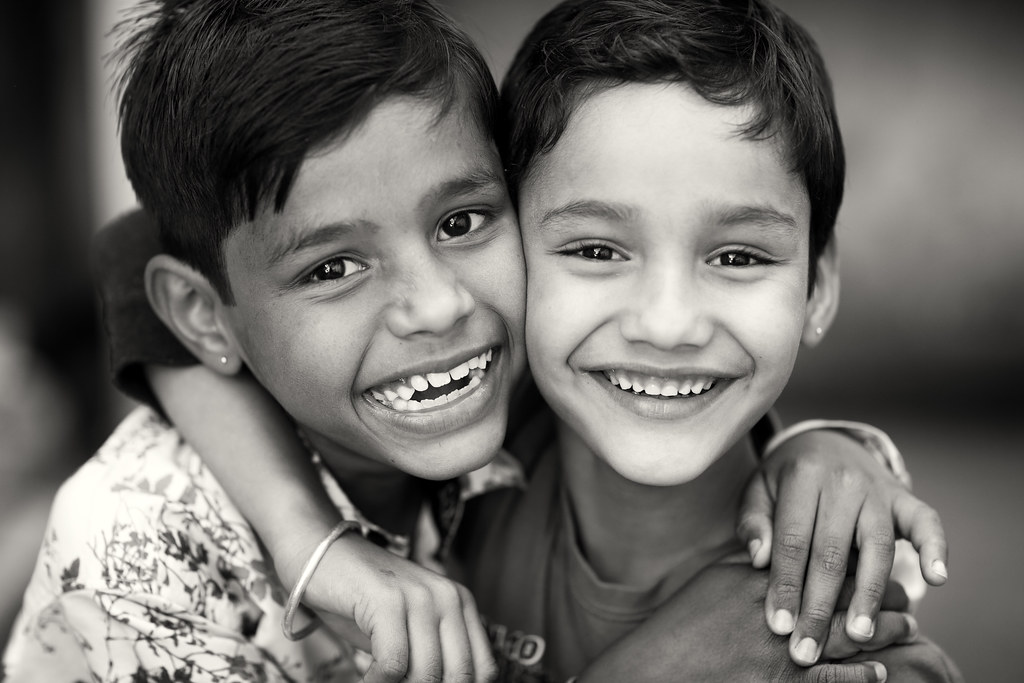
(782, 622)
(939, 567)
(807, 651)
(880, 671)
(753, 547)
(863, 626)
(912, 629)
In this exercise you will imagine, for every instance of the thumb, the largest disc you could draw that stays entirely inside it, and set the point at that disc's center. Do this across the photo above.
(754, 527)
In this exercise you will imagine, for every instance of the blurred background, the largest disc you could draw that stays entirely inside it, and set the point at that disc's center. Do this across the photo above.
(929, 343)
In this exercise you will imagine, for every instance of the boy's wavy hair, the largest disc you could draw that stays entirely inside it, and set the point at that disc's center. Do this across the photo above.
(222, 100)
(731, 52)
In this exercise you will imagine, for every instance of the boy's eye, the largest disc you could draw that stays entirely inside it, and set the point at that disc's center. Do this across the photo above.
(739, 259)
(593, 252)
(460, 224)
(598, 253)
(335, 269)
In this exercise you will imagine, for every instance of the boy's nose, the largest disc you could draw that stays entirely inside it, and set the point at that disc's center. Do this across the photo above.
(432, 301)
(666, 311)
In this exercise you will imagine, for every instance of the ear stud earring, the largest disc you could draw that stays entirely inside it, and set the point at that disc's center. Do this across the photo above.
(817, 331)
(224, 359)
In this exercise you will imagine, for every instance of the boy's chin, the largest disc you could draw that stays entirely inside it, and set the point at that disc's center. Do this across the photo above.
(452, 457)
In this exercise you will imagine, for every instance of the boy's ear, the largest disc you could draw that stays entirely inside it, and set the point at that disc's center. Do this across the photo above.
(824, 300)
(191, 308)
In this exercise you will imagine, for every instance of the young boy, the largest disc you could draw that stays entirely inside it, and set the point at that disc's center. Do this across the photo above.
(341, 239)
(335, 219)
(678, 167)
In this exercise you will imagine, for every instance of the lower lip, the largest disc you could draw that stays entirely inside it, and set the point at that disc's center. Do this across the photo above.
(465, 410)
(663, 407)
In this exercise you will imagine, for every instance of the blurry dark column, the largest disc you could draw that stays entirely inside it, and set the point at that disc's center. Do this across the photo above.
(45, 202)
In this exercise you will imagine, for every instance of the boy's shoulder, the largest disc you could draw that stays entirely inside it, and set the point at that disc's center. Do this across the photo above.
(147, 568)
(145, 517)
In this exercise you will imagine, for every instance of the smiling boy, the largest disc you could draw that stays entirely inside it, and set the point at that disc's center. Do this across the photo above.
(267, 140)
(679, 168)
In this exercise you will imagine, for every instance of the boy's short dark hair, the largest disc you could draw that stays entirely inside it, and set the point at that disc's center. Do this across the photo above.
(222, 100)
(731, 52)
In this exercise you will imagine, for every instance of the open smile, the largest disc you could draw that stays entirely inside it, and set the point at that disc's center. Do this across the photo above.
(661, 397)
(660, 387)
(433, 389)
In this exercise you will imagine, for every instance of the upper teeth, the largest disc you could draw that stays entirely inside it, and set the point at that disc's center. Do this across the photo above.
(398, 394)
(659, 386)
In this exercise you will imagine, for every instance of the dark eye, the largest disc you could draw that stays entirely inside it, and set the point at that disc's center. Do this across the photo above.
(335, 269)
(460, 224)
(597, 253)
(737, 259)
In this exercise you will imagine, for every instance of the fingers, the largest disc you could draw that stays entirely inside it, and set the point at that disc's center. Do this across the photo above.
(921, 524)
(861, 672)
(754, 528)
(426, 656)
(794, 526)
(389, 643)
(480, 645)
(892, 628)
(826, 572)
(877, 543)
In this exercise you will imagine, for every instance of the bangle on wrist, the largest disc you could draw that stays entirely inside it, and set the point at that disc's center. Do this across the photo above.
(295, 597)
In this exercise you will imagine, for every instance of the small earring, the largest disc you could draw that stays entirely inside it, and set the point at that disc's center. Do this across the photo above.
(224, 359)
(817, 331)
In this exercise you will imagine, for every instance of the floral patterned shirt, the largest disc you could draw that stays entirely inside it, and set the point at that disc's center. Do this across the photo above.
(148, 572)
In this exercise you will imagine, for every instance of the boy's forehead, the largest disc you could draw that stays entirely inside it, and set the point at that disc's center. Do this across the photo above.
(625, 143)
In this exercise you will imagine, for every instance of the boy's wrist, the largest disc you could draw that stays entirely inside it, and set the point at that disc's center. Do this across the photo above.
(873, 439)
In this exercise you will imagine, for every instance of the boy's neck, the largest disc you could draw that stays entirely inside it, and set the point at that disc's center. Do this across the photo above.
(635, 534)
(386, 496)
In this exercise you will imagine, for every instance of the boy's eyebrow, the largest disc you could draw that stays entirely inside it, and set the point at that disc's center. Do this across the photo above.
(318, 236)
(760, 215)
(473, 181)
(590, 208)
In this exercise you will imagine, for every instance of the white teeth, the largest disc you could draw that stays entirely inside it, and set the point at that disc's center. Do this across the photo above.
(398, 395)
(655, 386)
(438, 379)
(460, 371)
